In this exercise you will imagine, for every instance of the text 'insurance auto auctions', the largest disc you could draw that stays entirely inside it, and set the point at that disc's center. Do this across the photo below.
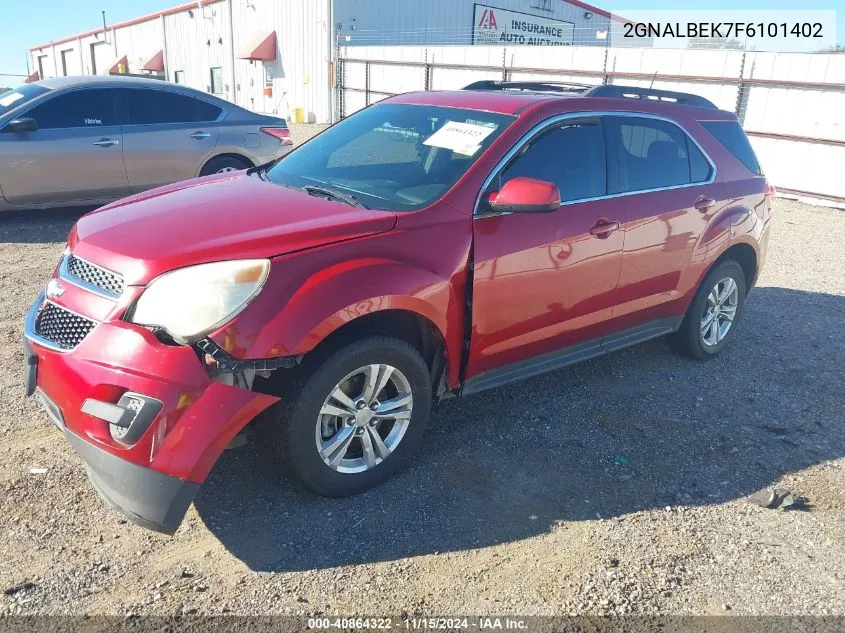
(499, 26)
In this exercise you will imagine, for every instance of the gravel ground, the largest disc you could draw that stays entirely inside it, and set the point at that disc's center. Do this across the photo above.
(615, 486)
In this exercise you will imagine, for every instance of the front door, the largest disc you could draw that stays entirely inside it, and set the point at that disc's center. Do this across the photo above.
(545, 281)
(75, 155)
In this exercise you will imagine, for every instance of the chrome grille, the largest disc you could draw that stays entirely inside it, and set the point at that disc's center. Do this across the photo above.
(61, 327)
(107, 281)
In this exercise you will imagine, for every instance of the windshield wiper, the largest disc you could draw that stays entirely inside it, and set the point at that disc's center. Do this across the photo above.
(334, 194)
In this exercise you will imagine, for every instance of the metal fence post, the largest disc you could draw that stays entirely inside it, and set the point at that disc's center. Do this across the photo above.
(367, 83)
(743, 91)
(604, 77)
(337, 78)
(341, 93)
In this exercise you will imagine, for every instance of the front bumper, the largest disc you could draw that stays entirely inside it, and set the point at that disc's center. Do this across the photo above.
(153, 479)
(146, 497)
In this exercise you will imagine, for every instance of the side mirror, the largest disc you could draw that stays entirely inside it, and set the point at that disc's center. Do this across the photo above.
(526, 195)
(24, 124)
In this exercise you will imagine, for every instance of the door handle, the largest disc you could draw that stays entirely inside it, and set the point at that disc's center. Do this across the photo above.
(200, 135)
(106, 142)
(603, 228)
(703, 203)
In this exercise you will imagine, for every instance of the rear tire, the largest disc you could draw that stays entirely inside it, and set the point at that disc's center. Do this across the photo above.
(222, 164)
(302, 439)
(711, 320)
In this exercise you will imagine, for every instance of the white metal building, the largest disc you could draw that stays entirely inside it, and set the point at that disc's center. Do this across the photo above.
(275, 56)
(467, 22)
(267, 55)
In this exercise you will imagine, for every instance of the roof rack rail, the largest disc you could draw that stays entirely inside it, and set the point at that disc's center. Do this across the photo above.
(633, 92)
(529, 86)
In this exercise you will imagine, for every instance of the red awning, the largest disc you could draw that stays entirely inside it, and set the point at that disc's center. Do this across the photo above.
(155, 63)
(33, 77)
(261, 48)
(120, 66)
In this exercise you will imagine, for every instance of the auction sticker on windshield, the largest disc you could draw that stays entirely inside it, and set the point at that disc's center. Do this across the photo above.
(463, 138)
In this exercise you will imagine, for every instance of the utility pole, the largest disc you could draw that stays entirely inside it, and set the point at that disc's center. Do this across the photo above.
(106, 35)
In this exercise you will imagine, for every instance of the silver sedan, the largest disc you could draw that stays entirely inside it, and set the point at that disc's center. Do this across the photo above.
(89, 140)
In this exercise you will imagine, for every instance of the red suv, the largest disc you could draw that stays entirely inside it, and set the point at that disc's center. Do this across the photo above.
(434, 244)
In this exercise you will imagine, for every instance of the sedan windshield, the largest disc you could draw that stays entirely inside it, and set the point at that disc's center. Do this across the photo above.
(16, 97)
(395, 157)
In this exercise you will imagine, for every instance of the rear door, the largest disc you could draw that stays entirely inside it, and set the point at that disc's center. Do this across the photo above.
(75, 155)
(546, 281)
(666, 182)
(167, 136)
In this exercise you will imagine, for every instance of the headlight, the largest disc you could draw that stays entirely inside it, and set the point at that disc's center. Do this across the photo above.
(193, 301)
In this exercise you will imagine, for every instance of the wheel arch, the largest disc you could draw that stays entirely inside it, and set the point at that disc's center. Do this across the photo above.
(234, 155)
(746, 256)
(404, 323)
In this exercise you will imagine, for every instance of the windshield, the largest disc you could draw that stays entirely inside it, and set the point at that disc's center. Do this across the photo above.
(395, 157)
(16, 97)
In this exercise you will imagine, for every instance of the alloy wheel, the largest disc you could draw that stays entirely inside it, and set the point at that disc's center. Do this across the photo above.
(719, 312)
(364, 418)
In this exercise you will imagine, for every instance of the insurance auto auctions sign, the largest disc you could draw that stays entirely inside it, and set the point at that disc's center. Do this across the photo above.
(500, 26)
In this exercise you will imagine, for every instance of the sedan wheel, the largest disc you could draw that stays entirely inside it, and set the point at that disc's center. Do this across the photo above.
(224, 170)
(364, 418)
(719, 312)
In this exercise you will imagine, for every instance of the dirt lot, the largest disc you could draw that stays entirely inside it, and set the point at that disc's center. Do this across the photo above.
(618, 485)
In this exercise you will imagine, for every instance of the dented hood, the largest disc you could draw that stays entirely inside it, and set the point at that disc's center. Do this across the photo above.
(227, 216)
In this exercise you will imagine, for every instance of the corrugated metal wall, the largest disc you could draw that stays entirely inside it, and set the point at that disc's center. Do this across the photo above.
(201, 38)
(300, 75)
(138, 42)
(790, 104)
(445, 22)
(197, 43)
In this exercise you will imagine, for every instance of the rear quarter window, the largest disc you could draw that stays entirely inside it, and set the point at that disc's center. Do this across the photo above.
(145, 107)
(731, 135)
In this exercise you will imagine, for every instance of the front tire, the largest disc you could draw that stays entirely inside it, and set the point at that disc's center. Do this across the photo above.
(711, 320)
(352, 420)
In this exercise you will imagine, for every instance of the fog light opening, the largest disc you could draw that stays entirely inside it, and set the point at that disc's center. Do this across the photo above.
(128, 419)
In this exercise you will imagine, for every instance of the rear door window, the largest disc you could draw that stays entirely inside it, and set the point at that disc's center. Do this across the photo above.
(651, 154)
(146, 107)
(570, 155)
(86, 108)
(731, 135)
